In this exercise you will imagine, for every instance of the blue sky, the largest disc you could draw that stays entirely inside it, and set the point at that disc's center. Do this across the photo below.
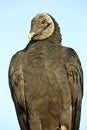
(15, 20)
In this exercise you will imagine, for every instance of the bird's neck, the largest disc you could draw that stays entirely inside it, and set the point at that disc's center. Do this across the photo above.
(56, 36)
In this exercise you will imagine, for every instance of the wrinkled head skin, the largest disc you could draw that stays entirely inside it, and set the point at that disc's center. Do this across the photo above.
(42, 27)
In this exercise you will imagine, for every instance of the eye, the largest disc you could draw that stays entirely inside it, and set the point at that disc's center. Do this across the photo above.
(43, 21)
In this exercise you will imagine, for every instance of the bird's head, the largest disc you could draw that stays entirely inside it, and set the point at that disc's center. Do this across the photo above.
(42, 27)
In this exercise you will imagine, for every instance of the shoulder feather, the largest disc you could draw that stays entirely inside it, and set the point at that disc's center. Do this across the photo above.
(75, 78)
(16, 80)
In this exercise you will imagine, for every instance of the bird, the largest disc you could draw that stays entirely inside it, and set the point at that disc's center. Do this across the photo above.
(46, 79)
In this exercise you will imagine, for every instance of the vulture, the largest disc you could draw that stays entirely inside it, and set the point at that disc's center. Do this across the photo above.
(46, 80)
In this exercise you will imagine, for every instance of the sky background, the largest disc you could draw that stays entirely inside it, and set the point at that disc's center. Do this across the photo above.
(15, 20)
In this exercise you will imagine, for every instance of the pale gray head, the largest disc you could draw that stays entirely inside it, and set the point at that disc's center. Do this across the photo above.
(42, 27)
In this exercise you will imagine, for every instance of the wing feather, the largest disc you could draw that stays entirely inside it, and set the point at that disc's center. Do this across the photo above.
(75, 78)
(16, 83)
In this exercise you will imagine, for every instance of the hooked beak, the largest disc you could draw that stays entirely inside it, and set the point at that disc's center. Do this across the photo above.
(30, 35)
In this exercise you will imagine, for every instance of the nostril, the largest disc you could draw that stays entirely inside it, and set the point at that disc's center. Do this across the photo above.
(62, 127)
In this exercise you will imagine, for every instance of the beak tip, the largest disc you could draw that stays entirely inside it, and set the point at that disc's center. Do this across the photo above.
(30, 35)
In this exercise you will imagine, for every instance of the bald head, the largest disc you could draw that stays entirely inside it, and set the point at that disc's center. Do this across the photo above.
(42, 27)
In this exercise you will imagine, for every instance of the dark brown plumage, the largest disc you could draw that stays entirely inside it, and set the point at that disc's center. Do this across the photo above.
(46, 80)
